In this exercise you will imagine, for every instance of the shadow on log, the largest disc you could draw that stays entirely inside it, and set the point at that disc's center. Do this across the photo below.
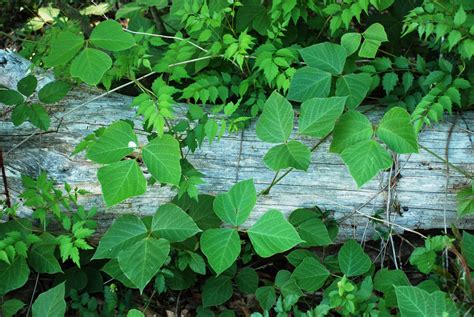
(422, 195)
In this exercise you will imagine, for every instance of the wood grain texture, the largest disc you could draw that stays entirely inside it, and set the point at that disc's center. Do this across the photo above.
(419, 199)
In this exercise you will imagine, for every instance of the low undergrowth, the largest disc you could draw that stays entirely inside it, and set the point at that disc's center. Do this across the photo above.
(183, 262)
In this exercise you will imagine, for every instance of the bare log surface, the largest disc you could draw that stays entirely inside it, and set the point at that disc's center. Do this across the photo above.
(422, 197)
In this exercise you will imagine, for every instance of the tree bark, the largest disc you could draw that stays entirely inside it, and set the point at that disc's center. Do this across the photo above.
(422, 195)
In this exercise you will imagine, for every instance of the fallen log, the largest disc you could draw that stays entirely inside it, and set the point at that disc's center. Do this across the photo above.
(421, 197)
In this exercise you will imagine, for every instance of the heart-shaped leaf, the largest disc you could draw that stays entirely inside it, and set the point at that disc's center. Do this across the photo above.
(110, 36)
(272, 234)
(234, 207)
(173, 224)
(276, 121)
(221, 247)
(141, 261)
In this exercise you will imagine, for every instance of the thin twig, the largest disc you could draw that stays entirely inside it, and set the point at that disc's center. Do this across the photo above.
(372, 217)
(177, 304)
(192, 60)
(80, 106)
(5, 182)
(389, 198)
(32, 295)
(445, 225)
(167, 37)
(177, 38)
(149, 301)
(461, 128)
(342, 219)
(460, 170)
(465, 267)
(276, 180)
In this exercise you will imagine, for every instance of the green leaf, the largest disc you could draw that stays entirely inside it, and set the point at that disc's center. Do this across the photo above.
(465, 201)
(90, 65)
(13, 276)
(353, 127)
(96, 9)
(423, 259)
(211, 128)
(141, 261)
(369, 48)
(63, 48)
(355, 87)
(314, 232)
(117, 141)
(39, 117)
(460, 17)
(10, 97)
(247, 280)
(112, 268)
(41, 255)
(266, 297)
(196, 263)
(54, 91)
(468, 248)
(162, 158)
(234, 206)
(173, 224)
(353, 261)
(396, 130)
(318, 115)
(128, 10)
(291, 289)
(27, 85)
(381, 5)
(292, 154)
(375, 32)
(438, 243)
(252, 13)
(309, 82)
(272, 234)
(453, 38)
(121, 180)
(310, 274)
(407, 81)
(180, 280)
(351, 42)
(50, 303)
(11, 307)
(221, 247)
(328, 57)
(203, 214)
(386, 280)
(429, 286)
(124, 232)
(281, 278)
(297, 256)
(275, 124)
(216, 291)
(365, 159)
(382, 63)
(5, 257)
(389, 82)
(20, 114)
(454, 95)
(135, 313)
(415, 302)
(109, 35)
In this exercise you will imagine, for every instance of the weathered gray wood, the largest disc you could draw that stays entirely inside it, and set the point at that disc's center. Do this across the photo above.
(421, 191)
